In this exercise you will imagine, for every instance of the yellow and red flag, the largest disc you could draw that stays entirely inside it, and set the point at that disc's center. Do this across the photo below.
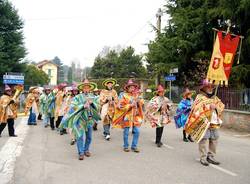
(225, 47)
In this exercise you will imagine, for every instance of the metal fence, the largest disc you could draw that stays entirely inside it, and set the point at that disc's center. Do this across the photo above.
(233, 99)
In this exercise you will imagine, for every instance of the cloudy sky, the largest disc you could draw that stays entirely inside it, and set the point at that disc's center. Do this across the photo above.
(79, 29)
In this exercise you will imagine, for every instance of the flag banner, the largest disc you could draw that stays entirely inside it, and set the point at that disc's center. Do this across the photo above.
(221, 62)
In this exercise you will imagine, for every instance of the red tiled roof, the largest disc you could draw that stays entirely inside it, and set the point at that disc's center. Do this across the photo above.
(41, 63)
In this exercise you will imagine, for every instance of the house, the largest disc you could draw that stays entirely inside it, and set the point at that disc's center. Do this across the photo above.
(50, 69)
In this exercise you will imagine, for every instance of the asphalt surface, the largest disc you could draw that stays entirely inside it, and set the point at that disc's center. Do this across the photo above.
(40, 155)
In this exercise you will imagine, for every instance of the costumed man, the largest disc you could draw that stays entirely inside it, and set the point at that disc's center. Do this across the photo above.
(31, 105)
(157, 113)
(50, 107)
(129, 113)
(8, 111)
(182, 112)
(43, 100)
(81, 116)
(204, 122)
(108, 101)
(60, 105)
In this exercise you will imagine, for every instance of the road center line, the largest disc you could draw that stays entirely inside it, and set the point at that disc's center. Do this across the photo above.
(220, 169)
(167, 146)
(11, 150)
(245, 135)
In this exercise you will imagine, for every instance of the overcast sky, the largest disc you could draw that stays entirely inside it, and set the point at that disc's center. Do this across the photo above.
(79, 29)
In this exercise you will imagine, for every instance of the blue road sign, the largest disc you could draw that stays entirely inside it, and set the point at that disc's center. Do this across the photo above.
(13, 81)
(170, 78)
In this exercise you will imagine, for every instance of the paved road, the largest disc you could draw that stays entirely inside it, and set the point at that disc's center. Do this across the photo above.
(40, 155)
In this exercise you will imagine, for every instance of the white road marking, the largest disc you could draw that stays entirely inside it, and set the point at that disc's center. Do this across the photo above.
(220, 169)
(166, 146)
(245, 135)
(11, 150)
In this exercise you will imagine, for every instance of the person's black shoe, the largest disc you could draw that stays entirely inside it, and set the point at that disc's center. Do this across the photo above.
(13, 135)
(190, 139)
(52, 128)
(211, 160)
(35, 124)
(159, 144)
(185, 139)
(204, 162)
(61, 132)
(72, 142)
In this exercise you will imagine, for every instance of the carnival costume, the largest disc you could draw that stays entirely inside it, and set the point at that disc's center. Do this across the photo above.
(157, 113)
(108, 101)
(182, 113)
(204, 121)
(129, 113)
(31, 105)
(82, 114)
(8, 109)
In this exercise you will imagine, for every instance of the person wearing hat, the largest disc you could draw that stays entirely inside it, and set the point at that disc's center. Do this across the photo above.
(96, 92)
(43, 100)
(157, 113)
(31, 105)
(59, 103)
(8, 111)
(81, 116)
(129, 114)
(182, 112)
(204, 122)
(108, 101)
(50, 107)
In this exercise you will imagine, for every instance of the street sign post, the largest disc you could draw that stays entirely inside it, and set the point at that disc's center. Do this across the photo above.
(171, 78)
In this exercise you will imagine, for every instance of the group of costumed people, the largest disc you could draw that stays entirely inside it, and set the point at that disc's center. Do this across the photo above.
(78, 109)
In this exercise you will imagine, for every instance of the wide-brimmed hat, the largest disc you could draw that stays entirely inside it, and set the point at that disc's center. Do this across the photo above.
(62, 85)
(86, 82)
(187, 92)
(111, 80)
(7, 88)
(32, 88)
(206, 83)
(130, 83)
(160, 88)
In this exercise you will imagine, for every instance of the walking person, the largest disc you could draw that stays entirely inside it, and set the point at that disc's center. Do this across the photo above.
(129, 114)
(31, 105)
(81, 116)
(43, 103)
(182, 112)
(204, 122)
(8, 109)
(157, 113)
(108, 101)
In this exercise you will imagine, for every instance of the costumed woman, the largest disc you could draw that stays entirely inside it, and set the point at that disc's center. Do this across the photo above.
(204, 122)
(129, 114)
(31, 105)
(157, 113)
(81, 116)
(182, 112)
(108, 101)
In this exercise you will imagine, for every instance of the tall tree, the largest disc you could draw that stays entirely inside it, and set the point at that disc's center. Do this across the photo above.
(187, 40)
(34, 76)
(12, 49)
(119, 65)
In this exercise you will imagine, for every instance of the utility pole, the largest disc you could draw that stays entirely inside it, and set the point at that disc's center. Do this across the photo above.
(158, 27)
